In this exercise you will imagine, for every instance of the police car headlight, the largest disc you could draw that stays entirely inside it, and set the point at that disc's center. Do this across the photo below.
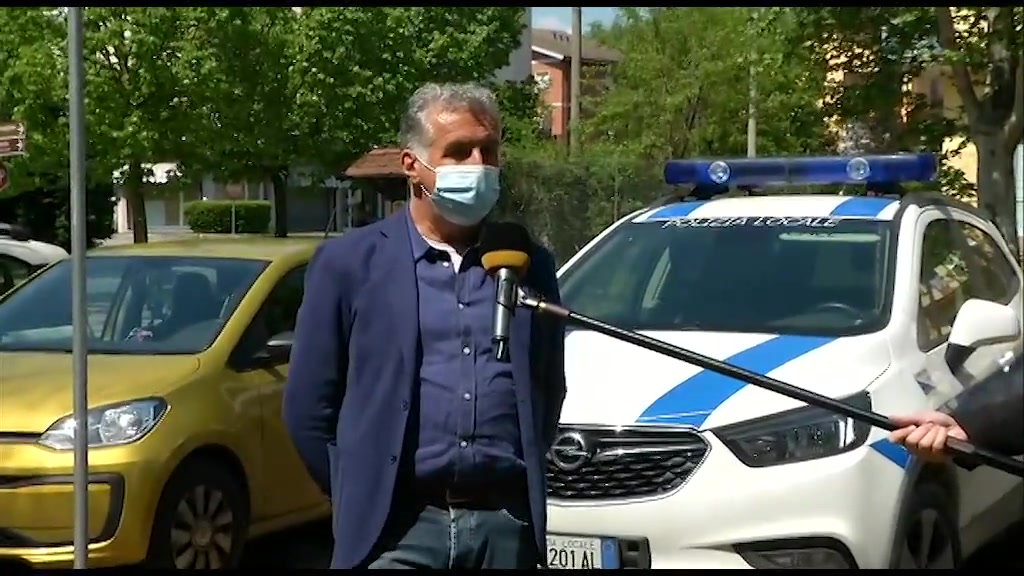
(109, 425)
(806, 433)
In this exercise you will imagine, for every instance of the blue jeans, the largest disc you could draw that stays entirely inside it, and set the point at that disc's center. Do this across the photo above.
(457, 538)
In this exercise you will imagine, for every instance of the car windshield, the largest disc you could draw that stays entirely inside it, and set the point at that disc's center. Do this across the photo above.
(813, 276)
(135, 304)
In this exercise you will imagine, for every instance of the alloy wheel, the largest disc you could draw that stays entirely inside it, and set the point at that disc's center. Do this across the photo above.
(202, 532)
(927, 544)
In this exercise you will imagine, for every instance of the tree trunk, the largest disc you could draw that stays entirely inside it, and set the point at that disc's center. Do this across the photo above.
(280, 183)
(136, 203)
(996, 192)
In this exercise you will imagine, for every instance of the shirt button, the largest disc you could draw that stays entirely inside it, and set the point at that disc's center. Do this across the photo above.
(467, 396)
(405, 405)
(461, 306)
(393, 459)
(463, 444)
(466, 350)
(446, 263)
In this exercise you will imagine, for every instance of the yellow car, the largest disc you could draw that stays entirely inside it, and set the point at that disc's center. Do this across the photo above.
(188, 354)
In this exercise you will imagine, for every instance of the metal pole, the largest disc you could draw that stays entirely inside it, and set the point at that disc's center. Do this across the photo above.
(752, 114)
(752, 102)
(575, 64)
(76, 105)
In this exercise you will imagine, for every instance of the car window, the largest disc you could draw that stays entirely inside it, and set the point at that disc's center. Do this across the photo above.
(277, 314)
(998, 278)
(13, 272)
(776, 275)
(135, 304)
(282, 306)
(954, 271)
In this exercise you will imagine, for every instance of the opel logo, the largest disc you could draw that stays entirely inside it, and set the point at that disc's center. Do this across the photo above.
(570, 451)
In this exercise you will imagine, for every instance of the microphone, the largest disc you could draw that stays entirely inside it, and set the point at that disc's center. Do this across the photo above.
(505, 254)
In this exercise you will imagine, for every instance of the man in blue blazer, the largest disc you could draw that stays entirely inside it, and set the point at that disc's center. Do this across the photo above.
(431, 450)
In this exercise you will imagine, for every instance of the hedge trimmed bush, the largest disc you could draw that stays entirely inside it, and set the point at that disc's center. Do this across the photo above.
(214, 216)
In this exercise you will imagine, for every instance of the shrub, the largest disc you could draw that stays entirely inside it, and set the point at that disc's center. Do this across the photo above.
(214, 216)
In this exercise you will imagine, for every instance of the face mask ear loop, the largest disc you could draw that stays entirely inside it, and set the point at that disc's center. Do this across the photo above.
(423, 188)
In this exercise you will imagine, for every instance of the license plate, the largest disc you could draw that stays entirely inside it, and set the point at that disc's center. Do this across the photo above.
(582, 553)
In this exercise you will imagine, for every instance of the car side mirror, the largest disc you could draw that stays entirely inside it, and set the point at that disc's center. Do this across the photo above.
(980, 323)
(279, 347)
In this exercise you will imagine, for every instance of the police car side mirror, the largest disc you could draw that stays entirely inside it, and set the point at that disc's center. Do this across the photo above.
(980, 323)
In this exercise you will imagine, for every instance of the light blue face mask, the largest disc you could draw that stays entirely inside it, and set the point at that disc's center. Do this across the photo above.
(464, 194)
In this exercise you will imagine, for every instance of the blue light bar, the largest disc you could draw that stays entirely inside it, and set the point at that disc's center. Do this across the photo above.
(867, 169)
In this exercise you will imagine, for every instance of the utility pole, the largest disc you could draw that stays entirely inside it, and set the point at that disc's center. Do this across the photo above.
(752, 114)
(752, 96)
(79, 313)
(575, 64)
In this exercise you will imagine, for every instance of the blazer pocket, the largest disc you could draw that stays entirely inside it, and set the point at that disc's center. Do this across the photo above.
(335, 461)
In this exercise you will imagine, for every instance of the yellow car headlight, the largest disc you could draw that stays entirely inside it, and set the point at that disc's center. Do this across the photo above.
(112, 425)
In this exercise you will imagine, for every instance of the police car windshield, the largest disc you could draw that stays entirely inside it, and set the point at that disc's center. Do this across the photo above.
(135, 305)
(814, 276)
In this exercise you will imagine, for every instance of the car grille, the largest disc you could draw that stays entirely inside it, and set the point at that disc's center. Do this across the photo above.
(598, 463)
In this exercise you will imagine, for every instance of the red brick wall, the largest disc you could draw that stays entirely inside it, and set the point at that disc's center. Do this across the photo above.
(557, 95)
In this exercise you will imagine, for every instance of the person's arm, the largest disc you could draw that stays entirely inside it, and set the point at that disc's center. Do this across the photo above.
(992, 412)
(318, 367)
(554, 381)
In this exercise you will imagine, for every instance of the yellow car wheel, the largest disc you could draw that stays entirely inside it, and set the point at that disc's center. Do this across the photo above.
(202, 520)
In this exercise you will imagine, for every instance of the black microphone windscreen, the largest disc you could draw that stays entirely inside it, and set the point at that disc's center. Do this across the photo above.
(504, 244)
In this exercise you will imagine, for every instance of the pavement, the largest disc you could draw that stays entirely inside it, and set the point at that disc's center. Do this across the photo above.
(122, 238)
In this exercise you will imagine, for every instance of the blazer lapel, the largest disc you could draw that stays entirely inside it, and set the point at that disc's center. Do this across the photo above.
(397, 281)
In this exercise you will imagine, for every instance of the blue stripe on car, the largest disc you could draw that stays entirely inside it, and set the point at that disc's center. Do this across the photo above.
(678, 210)
(694, 399)
(861, 207)
(894, 453)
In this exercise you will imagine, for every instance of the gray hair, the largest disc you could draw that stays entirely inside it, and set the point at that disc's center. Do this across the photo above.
(414, 131)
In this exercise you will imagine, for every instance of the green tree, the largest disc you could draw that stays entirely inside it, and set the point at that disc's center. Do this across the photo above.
(138, 110)
(33, 90)
(683, 86)
(991, 49)
(318, 87)
(355, 68)
(884, 48)
(244, 119)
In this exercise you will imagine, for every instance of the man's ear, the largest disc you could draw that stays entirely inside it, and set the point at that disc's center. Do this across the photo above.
(409, 164)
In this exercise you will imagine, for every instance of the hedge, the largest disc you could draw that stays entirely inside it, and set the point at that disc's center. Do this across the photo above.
(214, 216)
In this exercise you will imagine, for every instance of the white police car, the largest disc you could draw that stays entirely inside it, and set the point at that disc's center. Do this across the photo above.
(20, 256)
(892, 303)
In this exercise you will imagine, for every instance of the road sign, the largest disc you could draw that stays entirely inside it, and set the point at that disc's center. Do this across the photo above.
(4, 178)
(12, 139)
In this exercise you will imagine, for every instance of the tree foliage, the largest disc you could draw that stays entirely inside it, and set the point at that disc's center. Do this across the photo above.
(683, 86)
(681, 90)
(880, 50)
(235, 92)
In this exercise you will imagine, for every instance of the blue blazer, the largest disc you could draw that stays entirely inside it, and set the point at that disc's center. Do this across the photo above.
(353, 370)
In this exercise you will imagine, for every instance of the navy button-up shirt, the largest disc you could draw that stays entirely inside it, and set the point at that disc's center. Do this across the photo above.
(468, 424)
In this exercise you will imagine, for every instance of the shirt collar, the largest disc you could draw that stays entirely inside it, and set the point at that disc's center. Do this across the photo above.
(419, 245)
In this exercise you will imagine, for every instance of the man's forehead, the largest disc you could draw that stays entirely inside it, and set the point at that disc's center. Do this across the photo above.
(461, 123)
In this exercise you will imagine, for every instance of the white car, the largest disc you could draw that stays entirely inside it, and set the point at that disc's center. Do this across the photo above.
(20, 256)
(660, 464)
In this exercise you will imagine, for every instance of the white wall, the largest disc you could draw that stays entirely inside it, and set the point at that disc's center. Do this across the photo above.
(519, 67)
